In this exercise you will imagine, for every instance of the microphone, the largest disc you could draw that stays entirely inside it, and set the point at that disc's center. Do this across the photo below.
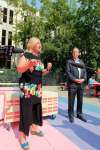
(17, 50)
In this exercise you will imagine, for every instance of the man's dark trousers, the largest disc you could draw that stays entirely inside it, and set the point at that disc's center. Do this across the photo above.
(72, 92)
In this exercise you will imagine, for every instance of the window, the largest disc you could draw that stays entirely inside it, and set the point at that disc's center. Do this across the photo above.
(3, 37)
(5, 15)
(1, 15)
(11, 17)
(10, 38)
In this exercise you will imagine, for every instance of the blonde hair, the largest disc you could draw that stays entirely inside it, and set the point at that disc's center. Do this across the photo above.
(32, 42)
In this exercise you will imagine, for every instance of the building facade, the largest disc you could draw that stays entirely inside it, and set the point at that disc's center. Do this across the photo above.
(6, 23)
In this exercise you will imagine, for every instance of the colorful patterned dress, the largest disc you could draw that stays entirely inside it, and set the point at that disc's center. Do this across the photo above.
(30, 95)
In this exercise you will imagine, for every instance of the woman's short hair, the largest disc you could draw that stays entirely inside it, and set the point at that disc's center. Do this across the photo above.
(31, 42)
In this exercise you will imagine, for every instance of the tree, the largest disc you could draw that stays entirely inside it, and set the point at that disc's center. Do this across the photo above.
(86, 36)
(25, 27)
(59, 28)
(54, 26)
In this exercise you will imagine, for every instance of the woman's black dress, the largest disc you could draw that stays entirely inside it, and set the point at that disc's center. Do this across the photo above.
(30, 96)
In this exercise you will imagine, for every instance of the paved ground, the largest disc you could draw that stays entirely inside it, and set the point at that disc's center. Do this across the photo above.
(52, 140)
(59, 133)
(84, 135)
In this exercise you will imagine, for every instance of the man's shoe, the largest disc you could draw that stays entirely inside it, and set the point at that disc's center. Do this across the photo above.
(81, 117)
(71, 119)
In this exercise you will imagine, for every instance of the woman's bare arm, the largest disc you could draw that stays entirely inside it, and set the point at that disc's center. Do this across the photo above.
(45, 71)
(24, 64)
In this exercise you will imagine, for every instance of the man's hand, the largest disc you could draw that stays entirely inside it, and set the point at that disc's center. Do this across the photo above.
(79, 81)
(82, 80)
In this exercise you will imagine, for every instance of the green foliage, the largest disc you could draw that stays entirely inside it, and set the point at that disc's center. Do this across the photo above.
(9, 75)
(50, 54)
(60, 26)
(86, 36)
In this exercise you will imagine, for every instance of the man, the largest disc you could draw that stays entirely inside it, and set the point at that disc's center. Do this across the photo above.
(76, 75)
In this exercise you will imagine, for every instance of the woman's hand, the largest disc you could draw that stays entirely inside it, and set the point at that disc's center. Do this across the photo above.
(32, 63)
(49, 66)
(46, 71)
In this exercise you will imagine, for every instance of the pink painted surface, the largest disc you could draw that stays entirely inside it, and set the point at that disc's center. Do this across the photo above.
(53, 140)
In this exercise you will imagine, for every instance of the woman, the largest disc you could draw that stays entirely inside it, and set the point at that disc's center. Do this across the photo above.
(32, 69)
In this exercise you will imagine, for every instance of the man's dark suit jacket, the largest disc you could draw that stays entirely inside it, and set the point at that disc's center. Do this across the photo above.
(73, 73)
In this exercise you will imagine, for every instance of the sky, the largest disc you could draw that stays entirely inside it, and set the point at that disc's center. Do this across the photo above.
(37, 4)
